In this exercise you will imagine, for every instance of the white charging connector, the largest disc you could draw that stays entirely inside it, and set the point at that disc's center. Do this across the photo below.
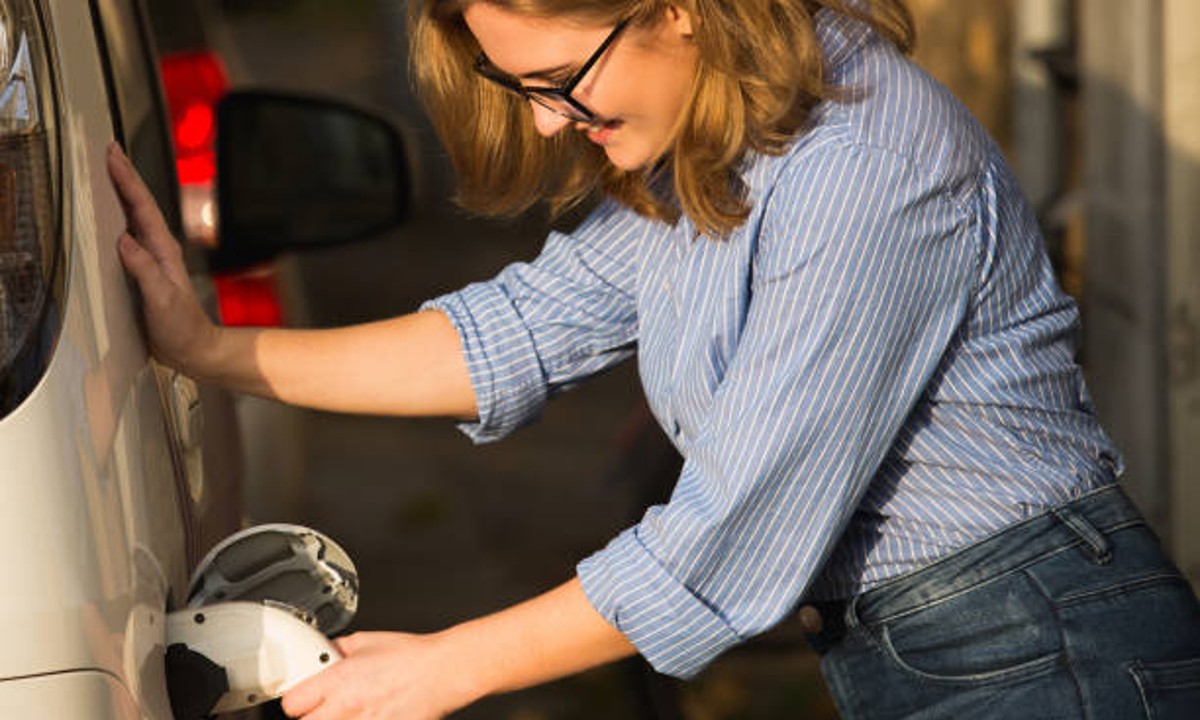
(262, 649)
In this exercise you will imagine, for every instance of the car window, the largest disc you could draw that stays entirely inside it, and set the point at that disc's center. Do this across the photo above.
(179, 25)
(31, 247)
(139, 117)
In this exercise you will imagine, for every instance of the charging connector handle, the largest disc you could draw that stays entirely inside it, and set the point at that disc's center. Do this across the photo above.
(263, 651)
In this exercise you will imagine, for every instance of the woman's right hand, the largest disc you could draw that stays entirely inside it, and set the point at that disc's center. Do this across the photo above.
(179, 330)
(409, 365)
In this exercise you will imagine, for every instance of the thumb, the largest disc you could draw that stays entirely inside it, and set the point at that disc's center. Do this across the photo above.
(349, 644)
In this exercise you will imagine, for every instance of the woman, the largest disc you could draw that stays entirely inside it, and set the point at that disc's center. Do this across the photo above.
(844, 319)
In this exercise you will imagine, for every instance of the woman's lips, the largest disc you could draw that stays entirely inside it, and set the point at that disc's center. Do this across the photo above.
(601, 134)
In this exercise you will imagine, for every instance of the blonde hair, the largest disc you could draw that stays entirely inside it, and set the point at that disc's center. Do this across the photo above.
(760, 72)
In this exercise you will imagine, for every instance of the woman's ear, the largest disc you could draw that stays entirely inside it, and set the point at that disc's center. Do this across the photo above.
(680, 20)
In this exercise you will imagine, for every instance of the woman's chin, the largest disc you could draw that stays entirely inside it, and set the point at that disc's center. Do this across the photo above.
(623, 159)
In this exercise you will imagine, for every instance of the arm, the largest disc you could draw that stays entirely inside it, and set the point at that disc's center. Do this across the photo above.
(411, 365)
(540, 327)
(412, 676)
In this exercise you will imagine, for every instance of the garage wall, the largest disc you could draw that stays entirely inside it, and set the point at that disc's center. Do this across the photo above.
(1142, 155)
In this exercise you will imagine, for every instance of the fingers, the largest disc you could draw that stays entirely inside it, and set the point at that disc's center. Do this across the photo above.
(306, 698)
(323, 695)
(303, 699)
(326, 713)
(349, 644)
(147, 229)
(137, 259)
(155, 287)
(141, 210)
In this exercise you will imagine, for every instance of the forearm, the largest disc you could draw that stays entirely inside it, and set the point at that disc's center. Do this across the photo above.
(543, 639)
(411, 365)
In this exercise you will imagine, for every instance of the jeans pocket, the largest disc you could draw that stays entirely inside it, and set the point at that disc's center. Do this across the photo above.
(1169, 690)
(1000, 631)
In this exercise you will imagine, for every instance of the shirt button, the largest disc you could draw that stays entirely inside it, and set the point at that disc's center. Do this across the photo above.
(810, 620)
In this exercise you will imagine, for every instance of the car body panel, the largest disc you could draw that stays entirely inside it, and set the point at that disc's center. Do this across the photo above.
(116, 473)
(92, 695)
(91, 485)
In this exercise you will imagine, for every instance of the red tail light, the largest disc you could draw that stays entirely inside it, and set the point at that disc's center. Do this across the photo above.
(31, 242)
(194, 83)
(249, 298)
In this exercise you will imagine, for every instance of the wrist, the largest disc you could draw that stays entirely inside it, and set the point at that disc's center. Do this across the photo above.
(202, 358)
(471, 674)
(549, 637)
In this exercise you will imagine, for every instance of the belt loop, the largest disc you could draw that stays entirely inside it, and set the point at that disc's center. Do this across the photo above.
(1099, 545)
(851, 613)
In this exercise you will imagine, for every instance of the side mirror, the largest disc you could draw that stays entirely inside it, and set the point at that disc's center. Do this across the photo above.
(296, 172)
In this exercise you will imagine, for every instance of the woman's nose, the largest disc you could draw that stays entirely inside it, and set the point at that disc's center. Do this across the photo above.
(547, 122)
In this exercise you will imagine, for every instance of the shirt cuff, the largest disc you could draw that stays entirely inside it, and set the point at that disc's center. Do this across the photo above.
(502, 361)
(678, 633)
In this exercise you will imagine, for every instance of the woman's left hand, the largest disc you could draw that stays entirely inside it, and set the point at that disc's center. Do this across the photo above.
(397, 676)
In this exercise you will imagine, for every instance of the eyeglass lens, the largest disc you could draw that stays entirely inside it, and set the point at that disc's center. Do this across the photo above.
(557, 100)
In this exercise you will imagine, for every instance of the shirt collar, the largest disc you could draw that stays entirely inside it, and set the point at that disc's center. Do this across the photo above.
(841, 38)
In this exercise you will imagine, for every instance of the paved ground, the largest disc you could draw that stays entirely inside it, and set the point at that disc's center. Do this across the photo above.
(443, 530)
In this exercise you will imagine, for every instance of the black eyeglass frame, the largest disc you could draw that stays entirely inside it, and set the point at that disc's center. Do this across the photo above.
(544, 95)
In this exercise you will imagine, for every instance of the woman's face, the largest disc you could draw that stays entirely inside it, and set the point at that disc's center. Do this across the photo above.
(637, 89)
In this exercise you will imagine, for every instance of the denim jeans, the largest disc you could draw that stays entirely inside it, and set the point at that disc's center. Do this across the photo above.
(1076, 613)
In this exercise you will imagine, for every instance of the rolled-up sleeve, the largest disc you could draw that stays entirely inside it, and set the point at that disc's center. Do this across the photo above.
(539, 327)
(862, 273)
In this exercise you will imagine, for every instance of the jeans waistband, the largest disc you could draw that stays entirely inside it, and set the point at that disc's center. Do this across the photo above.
(1083, 521)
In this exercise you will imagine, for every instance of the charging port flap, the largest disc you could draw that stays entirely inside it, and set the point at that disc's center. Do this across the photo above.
(261, 608)
(288, 564)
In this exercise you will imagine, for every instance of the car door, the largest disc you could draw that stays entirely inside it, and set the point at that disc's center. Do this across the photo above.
(104, 488)
(204, 429)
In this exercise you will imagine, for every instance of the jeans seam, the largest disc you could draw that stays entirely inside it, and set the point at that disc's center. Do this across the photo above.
(1111, 590)
(985, 581)
(1071, 545)
(1022, 671)
(842, 688)
(1068, 662)
(1133, 669)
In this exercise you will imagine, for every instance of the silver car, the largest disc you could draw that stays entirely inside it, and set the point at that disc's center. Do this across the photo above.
(118, 475)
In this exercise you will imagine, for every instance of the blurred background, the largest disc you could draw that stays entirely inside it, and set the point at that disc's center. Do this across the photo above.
(1095, 102)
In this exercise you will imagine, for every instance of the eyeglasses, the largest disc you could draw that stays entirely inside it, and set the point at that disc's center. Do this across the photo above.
(556, 99)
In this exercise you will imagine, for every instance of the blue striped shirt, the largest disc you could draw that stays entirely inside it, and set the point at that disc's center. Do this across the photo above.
(875, 370)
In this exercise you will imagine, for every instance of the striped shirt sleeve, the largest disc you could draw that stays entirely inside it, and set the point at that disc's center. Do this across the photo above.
(539, 327)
